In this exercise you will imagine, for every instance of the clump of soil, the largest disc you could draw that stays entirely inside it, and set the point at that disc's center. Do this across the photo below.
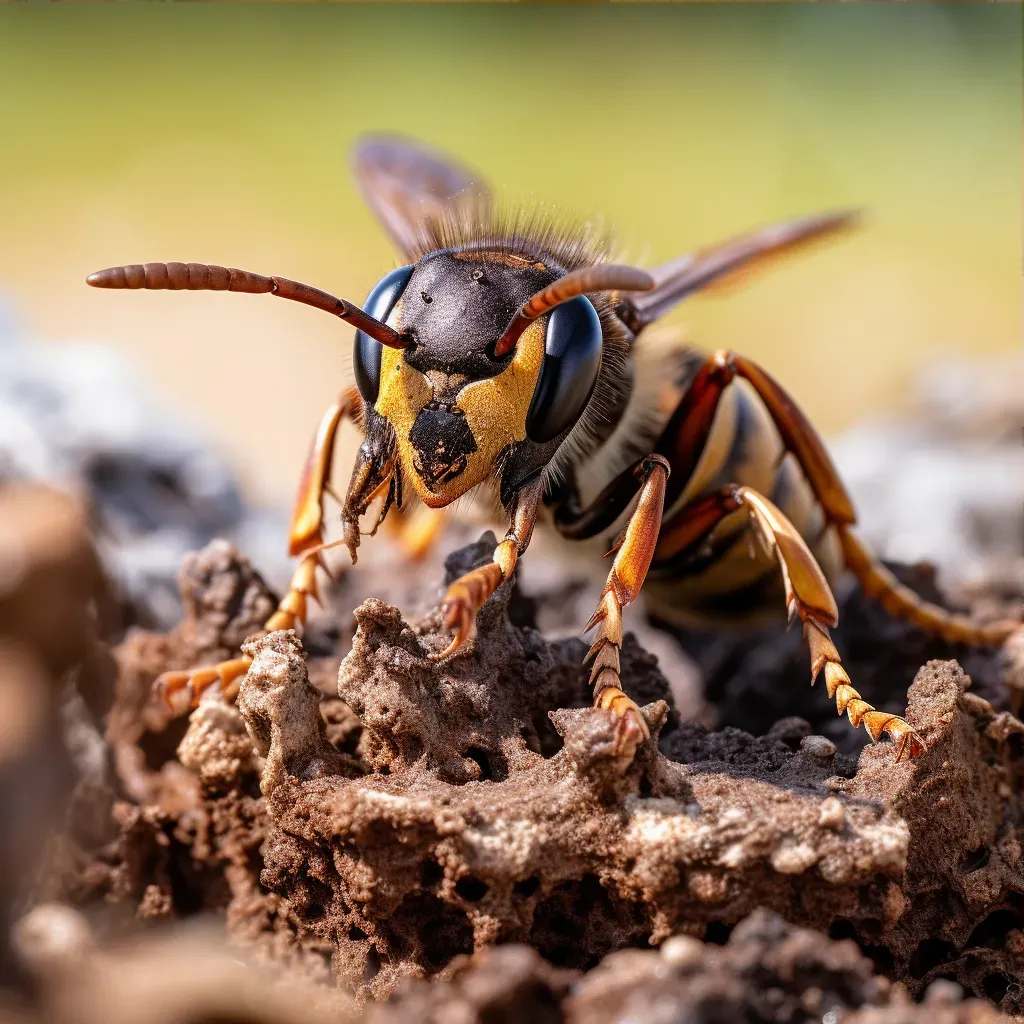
(423, 812)
(767, 971)
(459, 837)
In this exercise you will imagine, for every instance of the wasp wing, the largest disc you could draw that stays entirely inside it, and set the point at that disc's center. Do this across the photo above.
(728, 261)
(405, 182)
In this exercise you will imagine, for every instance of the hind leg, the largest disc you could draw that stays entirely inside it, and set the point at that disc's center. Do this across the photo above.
(683, 441)
(808, 598)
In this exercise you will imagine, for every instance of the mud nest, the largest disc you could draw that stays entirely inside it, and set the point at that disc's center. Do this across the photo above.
(384, 836)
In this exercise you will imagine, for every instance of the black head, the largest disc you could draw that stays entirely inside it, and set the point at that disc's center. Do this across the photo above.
(455, 402)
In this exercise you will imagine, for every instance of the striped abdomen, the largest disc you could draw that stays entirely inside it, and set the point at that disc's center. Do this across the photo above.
(731, 580)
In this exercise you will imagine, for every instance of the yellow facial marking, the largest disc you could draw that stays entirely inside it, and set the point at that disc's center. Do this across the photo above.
(403, 392)
(495, 411)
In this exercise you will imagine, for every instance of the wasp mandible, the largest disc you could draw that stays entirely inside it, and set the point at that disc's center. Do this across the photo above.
(506, 352)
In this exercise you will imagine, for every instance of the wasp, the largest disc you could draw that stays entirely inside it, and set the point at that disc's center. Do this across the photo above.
(510, 353)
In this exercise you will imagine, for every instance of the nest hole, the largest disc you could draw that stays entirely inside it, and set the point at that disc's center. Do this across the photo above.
(995, 986)
(193, 886)
(471, 889)
(312, 899)
(492, 766)
(356, 934)
(431, 931)
(993, 931)
(160, 747)
(526, 887)
(861, 933)
(881, 957)
(931, 953)
(431, 873)
(975, 860)
(548, 738)
(717, 933)
(579, 922)
(841, 928)
(372, 966)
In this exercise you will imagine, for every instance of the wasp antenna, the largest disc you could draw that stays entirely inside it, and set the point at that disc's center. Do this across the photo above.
(603, 277)
(205, 277)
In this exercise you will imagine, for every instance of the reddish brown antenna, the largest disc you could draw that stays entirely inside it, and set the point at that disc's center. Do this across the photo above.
(204, 277)
(603, 277)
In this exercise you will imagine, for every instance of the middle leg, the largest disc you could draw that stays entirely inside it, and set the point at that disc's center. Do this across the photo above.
(634, 550)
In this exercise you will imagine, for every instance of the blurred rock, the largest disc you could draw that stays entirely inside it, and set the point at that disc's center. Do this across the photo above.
(78, 417)
(51, 936)
(767, 972)
(49, 584)
(185, 977)
(945, 483)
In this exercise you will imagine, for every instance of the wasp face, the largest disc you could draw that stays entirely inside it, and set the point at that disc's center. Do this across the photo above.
(454, 406)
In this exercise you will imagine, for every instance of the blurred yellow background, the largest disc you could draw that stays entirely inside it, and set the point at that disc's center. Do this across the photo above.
(220, 134)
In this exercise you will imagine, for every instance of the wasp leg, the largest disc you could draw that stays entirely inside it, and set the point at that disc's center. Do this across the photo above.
(902, 603)
(579, 523)
(683, 440)
(808, 597)
(634, 550)
(467, 595)
(686, 433)
(180, 691)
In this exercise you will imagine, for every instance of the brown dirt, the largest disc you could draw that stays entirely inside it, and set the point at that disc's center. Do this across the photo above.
(385, 836)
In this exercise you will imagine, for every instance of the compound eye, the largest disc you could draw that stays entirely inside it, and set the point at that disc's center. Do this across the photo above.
(572, 358)
(366, 352)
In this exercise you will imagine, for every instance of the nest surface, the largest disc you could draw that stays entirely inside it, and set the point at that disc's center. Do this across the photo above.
(392, 836)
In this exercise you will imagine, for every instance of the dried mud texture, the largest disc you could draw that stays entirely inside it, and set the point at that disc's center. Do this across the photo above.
(183, 820)
(471, 816)
(768, 971)
(375, 835)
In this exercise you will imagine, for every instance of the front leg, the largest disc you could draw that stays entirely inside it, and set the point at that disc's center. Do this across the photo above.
(467, 595)
(374, 475)
(375, 468)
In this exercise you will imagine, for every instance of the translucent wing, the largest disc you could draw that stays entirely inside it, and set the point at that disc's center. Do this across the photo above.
(404, 182)
(724, 263)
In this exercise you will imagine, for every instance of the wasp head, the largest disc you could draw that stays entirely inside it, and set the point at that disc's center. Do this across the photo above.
(457, 405)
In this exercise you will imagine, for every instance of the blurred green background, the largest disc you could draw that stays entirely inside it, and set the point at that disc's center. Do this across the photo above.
(220, 134)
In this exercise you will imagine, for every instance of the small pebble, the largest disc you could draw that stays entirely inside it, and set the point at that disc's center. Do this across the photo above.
(832, 814)
(50, 934)
(943, 992)
(818, 746)
(794, 858)
(682, 950)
